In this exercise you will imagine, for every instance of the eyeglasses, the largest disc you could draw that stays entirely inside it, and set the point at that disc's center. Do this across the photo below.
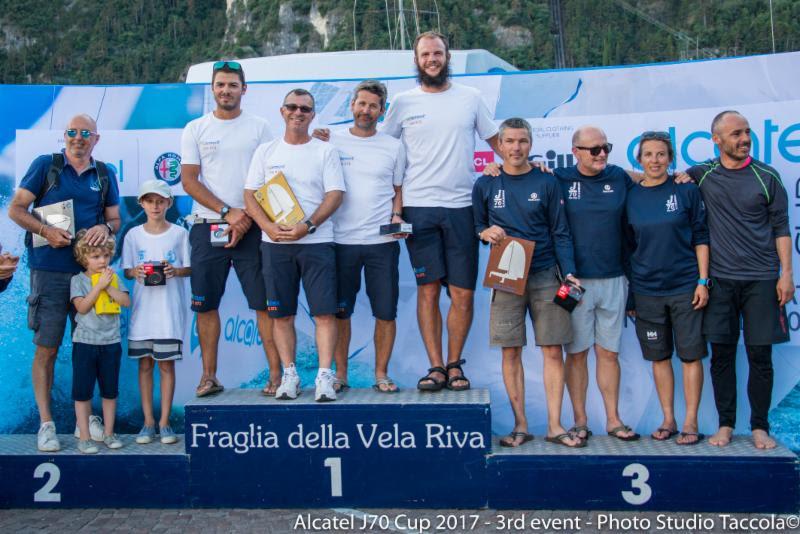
(294, 107)
(233, 65)
(661, 136)
(595, 150)
(72, 133)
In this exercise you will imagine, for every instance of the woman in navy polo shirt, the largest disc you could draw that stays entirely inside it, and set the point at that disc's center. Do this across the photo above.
(668, 236)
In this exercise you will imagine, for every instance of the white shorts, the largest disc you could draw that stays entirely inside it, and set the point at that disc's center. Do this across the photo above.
(599, 317)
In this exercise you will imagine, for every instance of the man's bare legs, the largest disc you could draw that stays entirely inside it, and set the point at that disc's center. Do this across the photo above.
(342, 350)
(576, 374)
(459, 320)
(514, 379)
(265, 327)
(554, 392)
(285, 339)
(384, 336)
(208, 330)
(42, 371)
(325, 331)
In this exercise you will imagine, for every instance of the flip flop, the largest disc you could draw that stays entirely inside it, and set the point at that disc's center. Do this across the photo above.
(700, 438)
(340, 386)
(581, 428)
(614, 433)
(385, 381)
(429, 383)
(670, 432)
(560, 440)
(514, 436)
(270, 389)
(208, 386)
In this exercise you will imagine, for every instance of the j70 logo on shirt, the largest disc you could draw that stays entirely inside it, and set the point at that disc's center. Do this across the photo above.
(500, 199)
(672, 203)
(574, 192)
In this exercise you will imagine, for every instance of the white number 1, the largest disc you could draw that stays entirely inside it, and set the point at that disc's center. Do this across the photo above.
(335, 465)
(640, 476)
(53, 473)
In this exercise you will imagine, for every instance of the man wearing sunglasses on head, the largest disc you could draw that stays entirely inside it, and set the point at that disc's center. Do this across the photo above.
(71, 174)
(304, 250)
(215, 153)
(594, 195)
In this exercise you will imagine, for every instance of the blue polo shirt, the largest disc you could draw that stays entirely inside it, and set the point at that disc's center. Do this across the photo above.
(595, 207)
(665, 223)
(528, 206)
(84, 190)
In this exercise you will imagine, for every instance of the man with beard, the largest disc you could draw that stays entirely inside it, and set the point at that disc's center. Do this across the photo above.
(215, 153)
(92, 187)
(373, 165)
(302, 251)
(594, 194)
(751, 269)
(437, 122)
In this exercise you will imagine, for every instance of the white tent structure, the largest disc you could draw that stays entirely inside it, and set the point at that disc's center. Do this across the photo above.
(355, 65)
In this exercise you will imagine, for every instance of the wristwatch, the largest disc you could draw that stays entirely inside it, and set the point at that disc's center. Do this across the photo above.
(224, 211)
(311, 227)
(110, 228)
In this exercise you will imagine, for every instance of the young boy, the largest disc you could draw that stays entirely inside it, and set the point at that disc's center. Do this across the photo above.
(158, 317)
(96, 349)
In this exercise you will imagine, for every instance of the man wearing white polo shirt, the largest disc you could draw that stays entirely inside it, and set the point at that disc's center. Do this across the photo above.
(437, 123)
(302, 251)
(373, 165)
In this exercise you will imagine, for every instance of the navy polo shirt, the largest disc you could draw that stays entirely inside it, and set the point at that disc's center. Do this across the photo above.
(595, 207)
(528, 206)
(84, 190)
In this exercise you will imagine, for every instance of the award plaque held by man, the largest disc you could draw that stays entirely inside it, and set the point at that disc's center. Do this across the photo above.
(509, 262)
(278, 201)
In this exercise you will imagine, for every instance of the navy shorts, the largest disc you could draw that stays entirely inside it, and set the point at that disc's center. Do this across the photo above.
(285, 265)
(211, 265)
(380, 276)
(49, 307)
(95, 363)
(443, 246)
(667, 324)
(747, 305)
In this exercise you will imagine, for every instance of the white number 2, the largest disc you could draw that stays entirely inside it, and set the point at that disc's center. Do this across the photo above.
(335, 465)
(53, 473)
(640, 476)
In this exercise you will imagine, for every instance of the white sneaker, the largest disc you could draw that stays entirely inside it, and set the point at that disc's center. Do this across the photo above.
(325, 391)
(96, 429)
(112, 441)
(87, 447)
(289, 388)
(46, 439)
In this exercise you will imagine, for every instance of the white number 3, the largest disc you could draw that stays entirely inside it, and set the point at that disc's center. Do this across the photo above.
(53, 473)
(640, 476)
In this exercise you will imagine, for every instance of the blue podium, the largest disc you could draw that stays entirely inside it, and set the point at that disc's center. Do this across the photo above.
(406, 450)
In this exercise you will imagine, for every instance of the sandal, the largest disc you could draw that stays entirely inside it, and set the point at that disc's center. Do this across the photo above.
(340, 386)
(509, 440)
(561, 440)
(270, 389)
(699, 437)
(429, 383)
(388, 383)
(614, 433)
(670, 432)
(458, 378)
(575, 430)
(208, 386)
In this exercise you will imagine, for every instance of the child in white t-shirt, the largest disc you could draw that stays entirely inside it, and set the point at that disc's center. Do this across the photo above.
(156, 255)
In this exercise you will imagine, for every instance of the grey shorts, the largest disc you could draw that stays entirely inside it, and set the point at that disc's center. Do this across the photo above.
(660, 320)
(551, 324)
(599, 317)
(49, 307)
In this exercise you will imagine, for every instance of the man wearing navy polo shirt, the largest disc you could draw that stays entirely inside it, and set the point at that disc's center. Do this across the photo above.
(53, 265)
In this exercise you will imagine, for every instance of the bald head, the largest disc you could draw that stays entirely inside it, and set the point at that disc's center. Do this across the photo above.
(720, 118)
(586, 134)
(584, 140)
(82, 121)
(81, 142)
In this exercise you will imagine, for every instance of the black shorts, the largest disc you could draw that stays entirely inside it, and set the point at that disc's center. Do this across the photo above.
(285, 265)
(211, 265)
(749, 305)
(443, 246)
(662, 319)
(95, 363)
(380, 276)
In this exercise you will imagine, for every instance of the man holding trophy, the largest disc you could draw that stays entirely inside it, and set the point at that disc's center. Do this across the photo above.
(294, 185)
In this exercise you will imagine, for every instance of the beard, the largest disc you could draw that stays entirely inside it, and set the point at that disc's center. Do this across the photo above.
(732, 151)
(440, 80)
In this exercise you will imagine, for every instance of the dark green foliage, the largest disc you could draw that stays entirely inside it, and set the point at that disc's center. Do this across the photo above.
(135, 41)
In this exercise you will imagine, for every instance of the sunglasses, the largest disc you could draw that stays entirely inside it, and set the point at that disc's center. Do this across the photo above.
(661, 136)
(595, 150)
(233, 65)
(72, 133)
(294, 107)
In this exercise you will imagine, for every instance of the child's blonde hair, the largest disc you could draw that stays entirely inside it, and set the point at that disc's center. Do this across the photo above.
(82, 248)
